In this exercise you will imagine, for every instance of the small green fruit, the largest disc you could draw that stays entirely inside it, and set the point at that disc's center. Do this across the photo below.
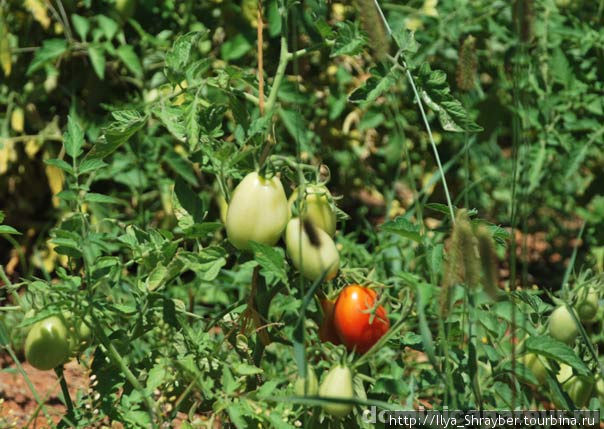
(308, 386)
(562, 326)
(337, 384)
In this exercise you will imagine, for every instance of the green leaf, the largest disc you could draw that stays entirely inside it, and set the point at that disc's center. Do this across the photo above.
(270, 258)
(125, 125)
(295, 125)
(171, 118)
(349, 40)
(81, 25)
(51, 49)
(558, 351)
(202, 230)
(108, 26)
(205, 264)
(192, 123)
(242, 368)
(181, 166)
(274, 18)
(130, 59)
(93, 197)
(59, 163)
(189, 200)
(377, 85)
(74, 138)
(5, 229)
(235, 48)
(402, 227)
(97, 58)
(89, 165)
(435, 92)
(179, 56)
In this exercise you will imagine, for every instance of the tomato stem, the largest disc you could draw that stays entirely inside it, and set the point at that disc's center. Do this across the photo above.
(65, 390)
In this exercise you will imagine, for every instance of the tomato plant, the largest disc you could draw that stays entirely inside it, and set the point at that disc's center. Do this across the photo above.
(447, 157)
(311, 250)
(355, 324)
(48, 343)
(257, 211)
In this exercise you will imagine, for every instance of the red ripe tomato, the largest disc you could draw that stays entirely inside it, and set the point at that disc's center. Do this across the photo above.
(352, 314)
(327, 331)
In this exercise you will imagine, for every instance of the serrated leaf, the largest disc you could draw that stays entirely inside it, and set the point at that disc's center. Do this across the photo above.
(51, 49)
(374, 87)
(108, 26)
(556, 350)
(125, 125)
(59, 163)
(81, 25)
(242, 368)
(192, 123)
(89, 165)
(402, 227)
(270, 258)
(179, 56)
(181, 166)
(189, 200)
(93, 197)
(171, 118)
(130, 59)
(97, 58)
(74, 138)
(349, 40)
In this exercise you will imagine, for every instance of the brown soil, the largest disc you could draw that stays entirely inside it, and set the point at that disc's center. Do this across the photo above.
(19, 409)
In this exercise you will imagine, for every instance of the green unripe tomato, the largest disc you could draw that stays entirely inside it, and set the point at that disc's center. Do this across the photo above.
(577, 387)
(257, 211)
(78, 333)
(337, 384)
(587, 305)
(308, 386)
(311, 250)
(316, 206)
(534, 363)
(562, 326)
(47, 343)
(80, 339)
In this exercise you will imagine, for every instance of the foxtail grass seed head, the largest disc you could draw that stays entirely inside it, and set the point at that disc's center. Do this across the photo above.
(373, 24)
(488, 260)
(467, 64)
(465, 251)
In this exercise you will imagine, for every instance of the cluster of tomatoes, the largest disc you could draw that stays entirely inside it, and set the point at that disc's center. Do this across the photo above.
(259, 211)
(563, 326)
